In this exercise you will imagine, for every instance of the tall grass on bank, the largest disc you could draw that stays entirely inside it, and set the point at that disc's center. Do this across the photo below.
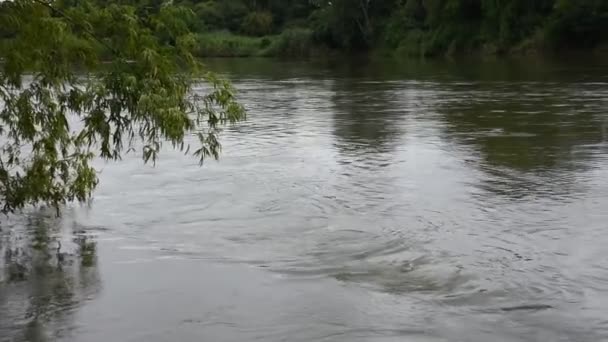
(290, 43)
(226, 44)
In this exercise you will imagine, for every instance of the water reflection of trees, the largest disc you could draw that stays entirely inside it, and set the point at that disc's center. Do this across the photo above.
(365, 117)
(368, 127)
(528, 137)
(44, 276)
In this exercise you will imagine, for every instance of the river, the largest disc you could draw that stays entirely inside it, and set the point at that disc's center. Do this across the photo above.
(443, 201)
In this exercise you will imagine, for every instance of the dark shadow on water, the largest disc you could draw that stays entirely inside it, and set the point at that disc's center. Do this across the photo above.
(364, 118)
(528, 138)
(562, 69)
(46, 273)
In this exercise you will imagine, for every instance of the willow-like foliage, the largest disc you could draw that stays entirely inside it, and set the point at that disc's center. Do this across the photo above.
(80, 81)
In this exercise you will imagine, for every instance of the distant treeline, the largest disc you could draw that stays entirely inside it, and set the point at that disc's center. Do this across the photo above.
(404, 27)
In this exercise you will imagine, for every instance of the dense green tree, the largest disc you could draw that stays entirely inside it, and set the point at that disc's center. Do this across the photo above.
(420, 27)
(79, 80)
(432, 27)
(577, 23)
(349, 24)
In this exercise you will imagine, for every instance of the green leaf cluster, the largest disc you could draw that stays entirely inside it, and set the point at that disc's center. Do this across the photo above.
(79, 81)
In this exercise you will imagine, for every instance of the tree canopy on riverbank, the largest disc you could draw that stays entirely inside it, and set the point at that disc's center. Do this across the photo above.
(233, 28)
(410, 27)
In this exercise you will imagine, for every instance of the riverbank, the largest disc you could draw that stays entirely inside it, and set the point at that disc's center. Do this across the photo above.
(290, 43)
(301, 44)
(412, 28)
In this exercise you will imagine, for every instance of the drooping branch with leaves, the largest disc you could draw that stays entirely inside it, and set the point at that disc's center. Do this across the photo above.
(80, 81)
